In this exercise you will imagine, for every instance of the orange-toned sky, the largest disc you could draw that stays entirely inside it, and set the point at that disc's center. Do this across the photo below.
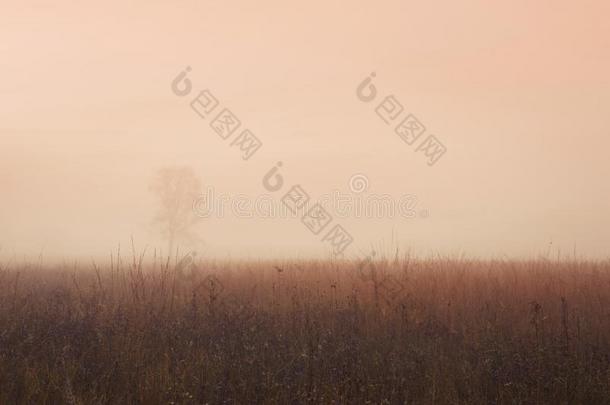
(518, 92)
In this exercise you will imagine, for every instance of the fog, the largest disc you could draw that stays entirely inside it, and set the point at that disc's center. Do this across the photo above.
(518, 94)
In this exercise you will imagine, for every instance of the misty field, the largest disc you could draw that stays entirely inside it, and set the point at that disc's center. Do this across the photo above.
(389, 331)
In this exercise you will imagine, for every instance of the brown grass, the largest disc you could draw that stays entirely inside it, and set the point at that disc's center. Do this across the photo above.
(394, 331)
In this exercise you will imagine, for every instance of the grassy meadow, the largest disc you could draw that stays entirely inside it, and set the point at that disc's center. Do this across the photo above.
(389, 331)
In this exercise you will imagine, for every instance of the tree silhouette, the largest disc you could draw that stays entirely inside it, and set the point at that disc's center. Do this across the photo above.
(176, 188)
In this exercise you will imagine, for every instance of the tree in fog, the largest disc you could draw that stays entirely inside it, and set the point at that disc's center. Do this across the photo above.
(176, 189)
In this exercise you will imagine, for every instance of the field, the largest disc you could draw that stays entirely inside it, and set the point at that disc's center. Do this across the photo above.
(397, 330)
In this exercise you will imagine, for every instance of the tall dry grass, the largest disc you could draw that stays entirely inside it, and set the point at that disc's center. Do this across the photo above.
(391, 331)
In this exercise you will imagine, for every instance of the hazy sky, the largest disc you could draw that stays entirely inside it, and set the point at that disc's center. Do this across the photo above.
(518, 92)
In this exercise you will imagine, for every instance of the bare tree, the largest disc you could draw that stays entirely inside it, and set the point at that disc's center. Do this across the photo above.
(176, 188)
